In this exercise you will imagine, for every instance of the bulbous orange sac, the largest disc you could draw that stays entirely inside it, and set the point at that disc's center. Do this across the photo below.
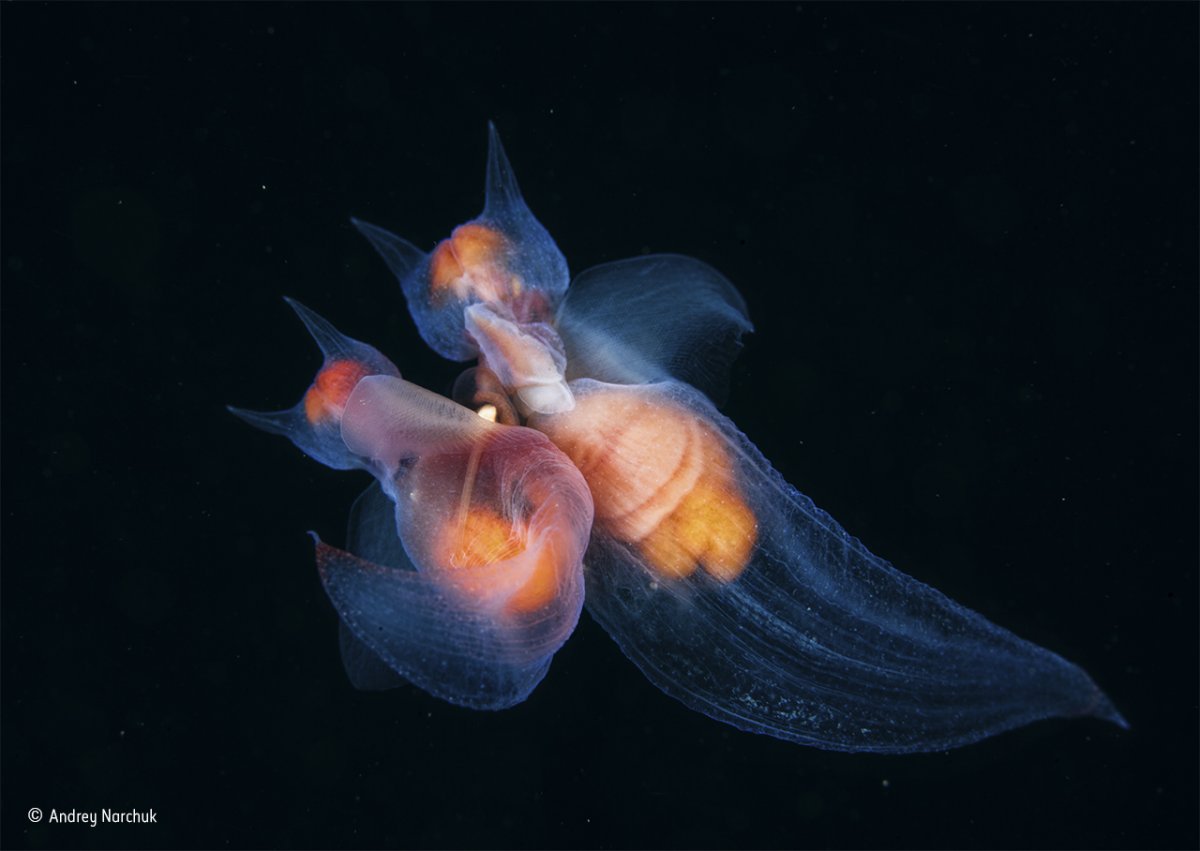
(660, 478)
(467, 547)
(504, 524)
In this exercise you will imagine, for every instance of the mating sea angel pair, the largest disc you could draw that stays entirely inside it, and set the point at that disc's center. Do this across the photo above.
(584, 464)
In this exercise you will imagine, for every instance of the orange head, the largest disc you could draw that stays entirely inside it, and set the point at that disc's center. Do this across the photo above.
(326, 398)
(471, 263)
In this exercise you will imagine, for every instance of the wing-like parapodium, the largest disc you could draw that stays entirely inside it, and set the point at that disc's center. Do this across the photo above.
(371, 535)
(653, 318)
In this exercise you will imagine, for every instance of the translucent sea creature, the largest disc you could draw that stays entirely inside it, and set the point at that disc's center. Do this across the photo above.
(583, 464)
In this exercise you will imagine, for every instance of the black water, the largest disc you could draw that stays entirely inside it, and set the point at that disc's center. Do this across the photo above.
(968, 238)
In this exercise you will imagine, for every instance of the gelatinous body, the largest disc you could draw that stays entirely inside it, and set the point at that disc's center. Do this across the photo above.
(660, 478)
(585, 450)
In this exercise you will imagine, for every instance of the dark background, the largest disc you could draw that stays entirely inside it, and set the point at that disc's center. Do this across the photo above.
(968, 238)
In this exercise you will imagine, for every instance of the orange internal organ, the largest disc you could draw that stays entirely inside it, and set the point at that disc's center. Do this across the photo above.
(711, 526)
(661, 479)
(465, 546)
(327, 396)
(470, 263)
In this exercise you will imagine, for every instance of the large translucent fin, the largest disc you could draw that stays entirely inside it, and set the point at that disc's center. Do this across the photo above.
(652, 318)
